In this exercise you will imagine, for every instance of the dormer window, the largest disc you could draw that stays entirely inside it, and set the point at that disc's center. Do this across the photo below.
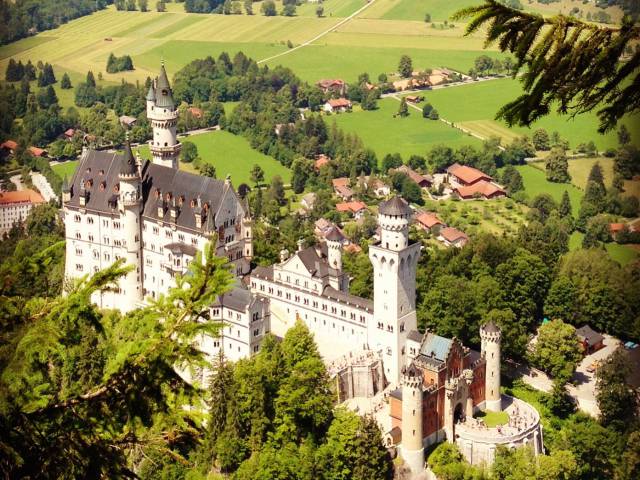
(165, 92)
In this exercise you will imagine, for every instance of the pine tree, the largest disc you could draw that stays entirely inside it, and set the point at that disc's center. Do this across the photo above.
(403, 109)
(565, 205)
(91, 81)
(13, 73)
(49, 76)
(65, 83)
(596, 175)
(624, 137)
(30, 71)
(540, 139)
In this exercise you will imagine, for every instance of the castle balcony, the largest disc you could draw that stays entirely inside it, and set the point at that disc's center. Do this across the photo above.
(159, 151)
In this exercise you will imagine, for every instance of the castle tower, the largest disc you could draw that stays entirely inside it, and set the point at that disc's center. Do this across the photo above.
(334, 248)
(163, 116)
(130, 209)
(412, 447)
(490, 336)
(394, 262)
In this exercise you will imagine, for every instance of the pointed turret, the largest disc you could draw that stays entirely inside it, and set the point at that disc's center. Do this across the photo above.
(151, 94)
(128, 165)
(66, 190)
(163, 94)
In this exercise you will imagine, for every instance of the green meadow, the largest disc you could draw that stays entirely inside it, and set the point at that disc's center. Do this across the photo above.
(535, 183)
(383, 133)
(231, 155)
(477, 104)
(65, 169)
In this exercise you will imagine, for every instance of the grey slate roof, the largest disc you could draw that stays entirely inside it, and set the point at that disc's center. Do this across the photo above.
(164, 95)
(151, 94)
(157, 181)
(316, 264)
(238, 298)
(128, 162)
(334, 235)
(587, 333)
(345, 297)
(263, 272)
(415, 336)
(394, 206)
(491, 327)
(180, 247)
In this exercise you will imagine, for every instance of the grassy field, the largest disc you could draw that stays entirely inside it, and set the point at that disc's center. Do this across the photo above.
(230, 154)
(499, 216)
(66, 168)
(579, 169)
(383, 133)
(493, 419)
(535, 183)
(482, 101)
(439, 10)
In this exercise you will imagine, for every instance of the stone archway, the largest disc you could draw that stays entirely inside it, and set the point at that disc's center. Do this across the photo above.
(458, 413)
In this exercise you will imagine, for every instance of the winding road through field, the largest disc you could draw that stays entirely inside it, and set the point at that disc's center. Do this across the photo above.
(321, 34)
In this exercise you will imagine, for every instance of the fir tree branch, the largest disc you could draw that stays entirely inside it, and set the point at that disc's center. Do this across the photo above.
(569, 65)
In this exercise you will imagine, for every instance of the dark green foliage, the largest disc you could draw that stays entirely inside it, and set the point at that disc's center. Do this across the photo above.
(70, 370)
(557, 166)
(407, 188)
(403, 109)
(19, 17)
(65, 83)
(119, 64)
(512, 180)
(627, 161)
(617, 401)
(189, 152)
(565, 206)
(391, 161)
(569, 65)
(405, 66)
(624, 137)
(268, 8)
(46, 76)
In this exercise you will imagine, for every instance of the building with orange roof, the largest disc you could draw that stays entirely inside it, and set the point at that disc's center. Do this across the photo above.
(463, 175)
(355, 208)
(423, 181)
(480, 189)
(16, 206)
(429, 222)
(37, 152)
(337, 105)
(452, 237)
(321, 161)
(9, 145)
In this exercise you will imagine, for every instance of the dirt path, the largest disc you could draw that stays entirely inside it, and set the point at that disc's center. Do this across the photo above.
(320, 35)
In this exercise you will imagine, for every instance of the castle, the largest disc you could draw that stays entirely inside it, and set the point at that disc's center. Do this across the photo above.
(157, 218)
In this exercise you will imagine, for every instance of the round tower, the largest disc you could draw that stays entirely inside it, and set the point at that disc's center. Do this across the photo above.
(412, 448)
(394, 217)
(163, 116)
(334, 248)
(491, 336)
(130, 208)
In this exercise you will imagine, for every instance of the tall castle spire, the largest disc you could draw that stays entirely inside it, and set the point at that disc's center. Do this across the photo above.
(163, 115)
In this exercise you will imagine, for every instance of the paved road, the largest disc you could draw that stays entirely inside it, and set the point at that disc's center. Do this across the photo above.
(320, 35)
(43, 186)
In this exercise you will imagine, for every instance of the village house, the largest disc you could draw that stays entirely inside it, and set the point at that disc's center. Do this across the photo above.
(16, 206)
(357, 209)
(480, 189)
(423, 181)
(281, 126)
(37, 152)
(9, 146)
(337, 105)
(322, 226)
(452, 237)
(429, 222)
(414, 98)
(342, 189)
(590, 340)
(68, 134)
(321, 161)
(332, 86)
(127, 121)
(463, 175)
(308, 201)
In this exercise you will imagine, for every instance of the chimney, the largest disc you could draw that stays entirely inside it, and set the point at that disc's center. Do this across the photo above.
(197, 212)
(174, 209)
(300, 244)
(284, 255)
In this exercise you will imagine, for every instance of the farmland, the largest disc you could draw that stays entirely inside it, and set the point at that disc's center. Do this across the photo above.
(535, 183)
(383, 133)
(483, 100)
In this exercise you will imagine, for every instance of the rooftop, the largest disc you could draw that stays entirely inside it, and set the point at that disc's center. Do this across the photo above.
(466, 173)
(394, 206)
(21, 196)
